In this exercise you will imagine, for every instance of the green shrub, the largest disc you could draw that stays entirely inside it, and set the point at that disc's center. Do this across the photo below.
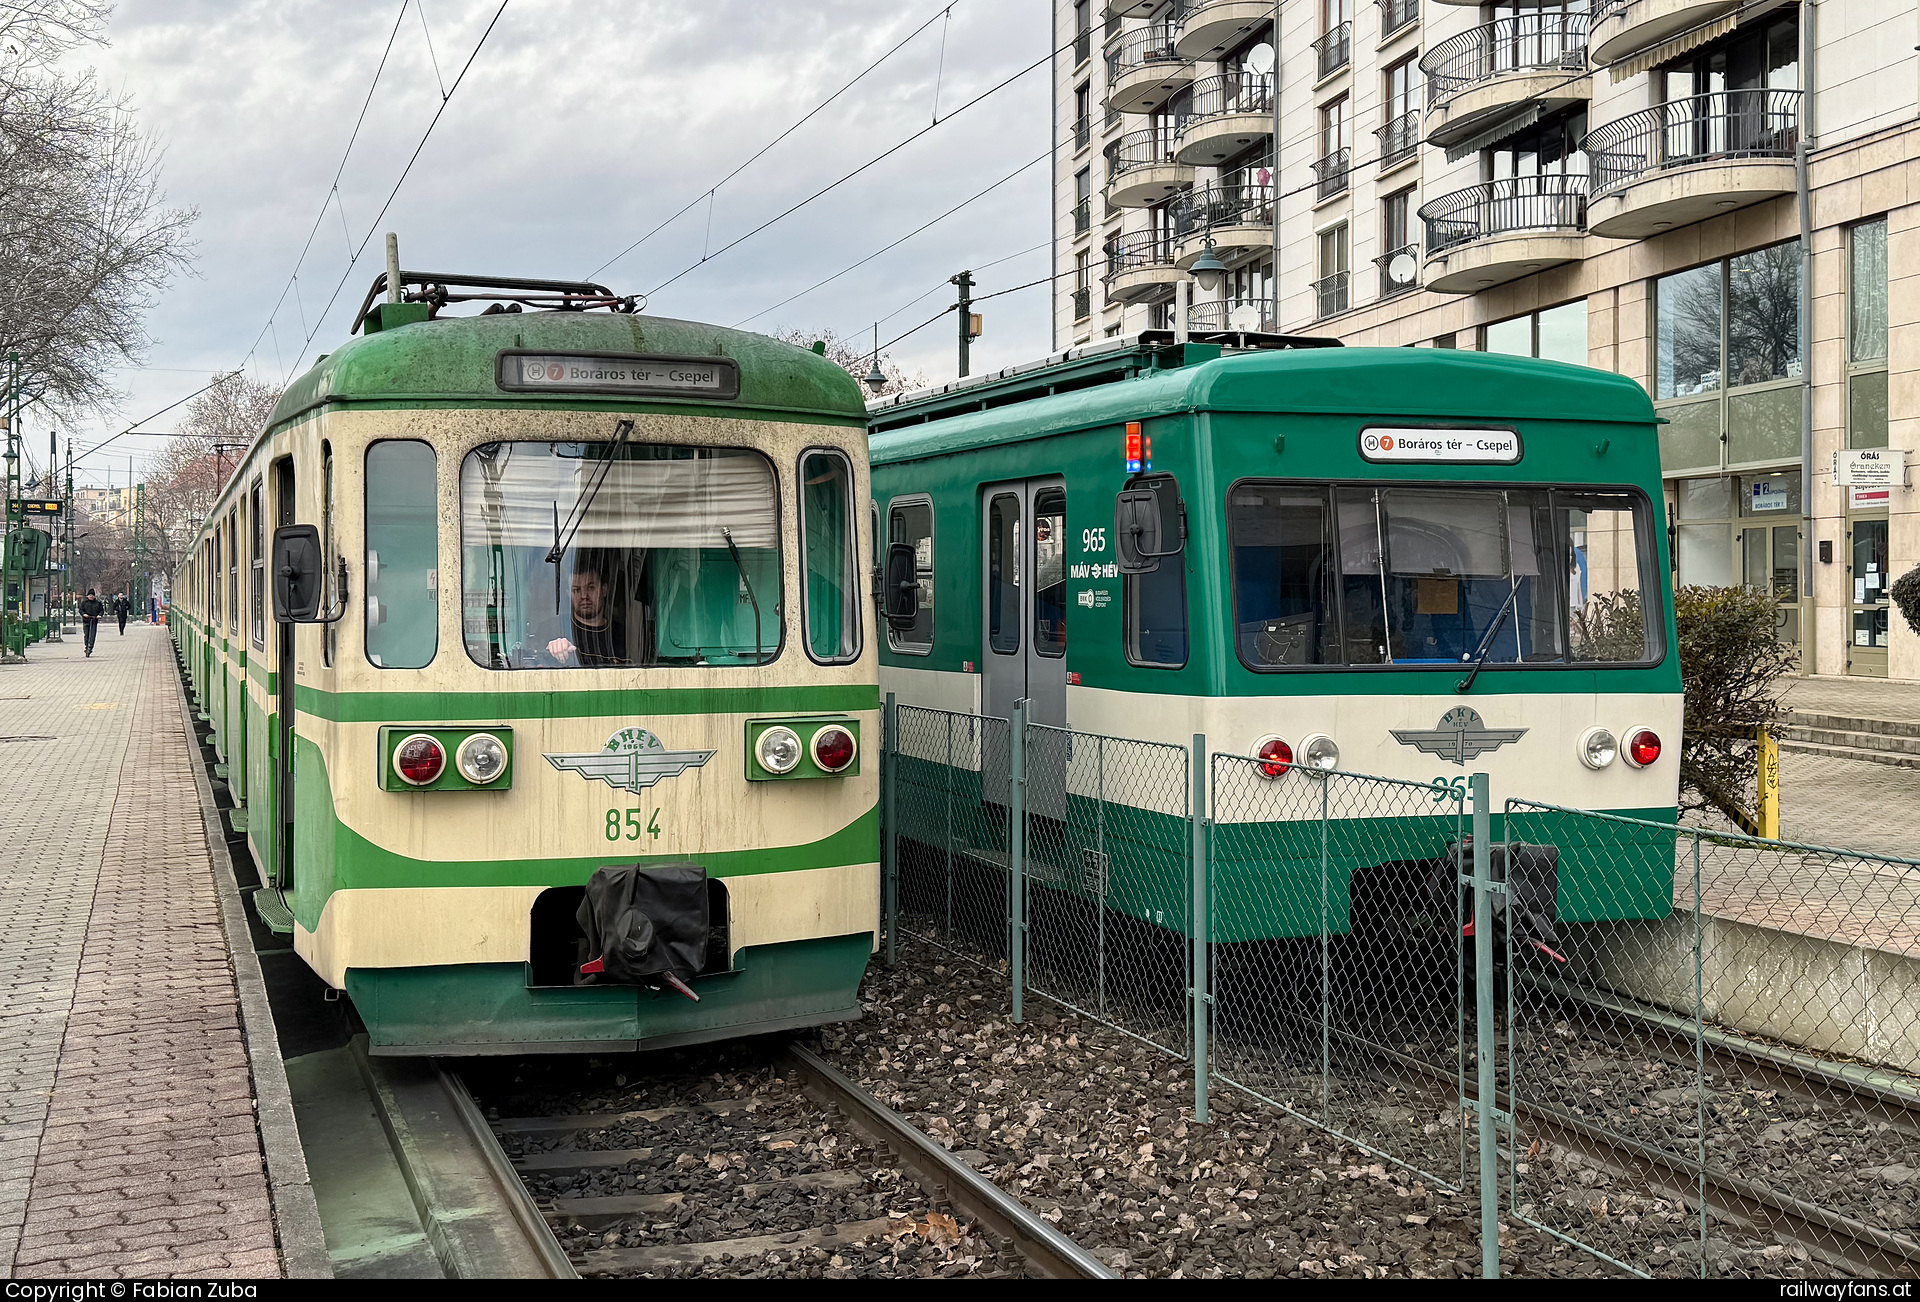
(1905, 593)
(1730, 658)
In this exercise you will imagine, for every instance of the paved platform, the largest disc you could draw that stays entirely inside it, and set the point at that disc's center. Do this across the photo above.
(128, 1140)
(1858, 698)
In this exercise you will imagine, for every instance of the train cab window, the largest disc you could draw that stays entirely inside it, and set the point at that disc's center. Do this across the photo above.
(911, 521)
(1003, 574)
(830, 591)
(1606, 566)
(1050, 572)
(403, 554)
(1284, 607)
(657, 555)
(1156, 602)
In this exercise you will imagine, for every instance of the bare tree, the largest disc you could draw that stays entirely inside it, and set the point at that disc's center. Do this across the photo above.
(207, 445)
(856, 360)
(87, 241)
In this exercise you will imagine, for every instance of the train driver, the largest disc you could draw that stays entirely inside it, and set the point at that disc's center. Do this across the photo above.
(595, 636)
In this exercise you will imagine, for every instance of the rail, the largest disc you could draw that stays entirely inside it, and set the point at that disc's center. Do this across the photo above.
(1331, 173)
(1330, 295)
(1149, 148)
(1389, 287)
(1395, 14)
(1227, 96)
(1496, 207)
(1138, 251)
(1334, 50)
(1530, 41)
(1724, 124)
(1213, 206)
(1143, 47)
(1399, 138)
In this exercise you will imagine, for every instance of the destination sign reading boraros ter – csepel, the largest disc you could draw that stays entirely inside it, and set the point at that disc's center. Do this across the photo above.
(624, 373)
(1497, 446)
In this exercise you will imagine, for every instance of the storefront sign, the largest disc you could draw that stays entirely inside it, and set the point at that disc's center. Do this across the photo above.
(1769, 495)
(1870, 468)
(1865, 499)
(1494, 446)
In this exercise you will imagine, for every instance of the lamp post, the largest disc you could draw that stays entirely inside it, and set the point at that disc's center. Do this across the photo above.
(876, 378)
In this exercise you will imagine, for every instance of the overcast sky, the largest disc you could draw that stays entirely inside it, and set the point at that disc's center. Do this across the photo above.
(579, 127)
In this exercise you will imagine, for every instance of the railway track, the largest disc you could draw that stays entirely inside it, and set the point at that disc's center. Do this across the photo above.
(740, 1161)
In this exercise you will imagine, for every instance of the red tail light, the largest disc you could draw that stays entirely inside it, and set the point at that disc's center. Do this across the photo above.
(419, 759)
(1643, 747)
(833, 749)
(1275, 756)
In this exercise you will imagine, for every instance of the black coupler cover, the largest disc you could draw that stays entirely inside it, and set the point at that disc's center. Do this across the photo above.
(644, 922)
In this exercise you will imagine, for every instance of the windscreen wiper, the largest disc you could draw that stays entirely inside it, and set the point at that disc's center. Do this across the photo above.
(746, 583)
(1486, 643)
(563, 535)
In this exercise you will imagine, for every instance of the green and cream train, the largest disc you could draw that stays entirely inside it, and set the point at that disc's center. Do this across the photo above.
(497, 602)
(1412, 563)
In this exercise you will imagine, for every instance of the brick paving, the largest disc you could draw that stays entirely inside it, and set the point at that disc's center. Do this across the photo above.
(128, 1142)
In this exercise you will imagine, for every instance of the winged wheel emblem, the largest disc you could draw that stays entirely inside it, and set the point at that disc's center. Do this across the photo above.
(1462, 735)
(632, 760)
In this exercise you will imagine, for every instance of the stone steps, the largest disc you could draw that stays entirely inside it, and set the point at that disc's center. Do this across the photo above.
(1875, 741)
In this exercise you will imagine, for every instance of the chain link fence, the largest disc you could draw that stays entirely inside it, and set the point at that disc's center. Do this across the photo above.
(948, 791)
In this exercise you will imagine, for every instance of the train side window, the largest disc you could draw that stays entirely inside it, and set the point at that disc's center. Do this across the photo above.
(328, 632)
(1050, 572)
(214, 569)
(1284, 607)
(1156, 602)
(910, 520)
(403, 555)
(257, 565)
(1609, 564)
(829, 557)
(1003, 574)
(233, 572)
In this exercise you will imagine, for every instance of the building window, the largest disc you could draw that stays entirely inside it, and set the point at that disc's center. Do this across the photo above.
(1083, 115)
(1726, 355)
(1082, 285)
(1400, 119)
(1558, 334)
(1335, 157)
(1082, 31)
(1335, 46)
(1083, 201)
(1330, 290)
(1400, 262)
(1867, 335)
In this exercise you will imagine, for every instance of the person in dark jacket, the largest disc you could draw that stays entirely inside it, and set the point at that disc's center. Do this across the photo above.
(90, 612)
(121, 609)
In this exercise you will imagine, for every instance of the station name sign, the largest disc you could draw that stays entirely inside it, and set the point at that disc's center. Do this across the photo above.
(1500, 447)
(634, 374)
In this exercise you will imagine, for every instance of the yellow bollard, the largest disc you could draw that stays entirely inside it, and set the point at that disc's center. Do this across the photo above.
(1769, 818)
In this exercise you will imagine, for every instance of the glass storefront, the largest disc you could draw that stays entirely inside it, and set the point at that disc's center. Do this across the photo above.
(1744, 529)
(1867, 603)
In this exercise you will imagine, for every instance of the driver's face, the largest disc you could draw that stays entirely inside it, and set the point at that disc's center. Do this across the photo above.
(588, 597)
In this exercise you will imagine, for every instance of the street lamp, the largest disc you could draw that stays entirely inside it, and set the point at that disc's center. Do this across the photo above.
(1208, 270)
(876, 378)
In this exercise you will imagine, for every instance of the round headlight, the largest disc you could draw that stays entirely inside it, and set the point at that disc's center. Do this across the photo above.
(833, 749)
(778, 750)
(481, 758)
(1597, 748)
(1275, 756)
(1318, 752)
(419, 759)
(1643, 747)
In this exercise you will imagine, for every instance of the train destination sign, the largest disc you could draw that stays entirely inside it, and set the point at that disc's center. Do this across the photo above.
(1486, 446)
(641, 375)
(36, 506)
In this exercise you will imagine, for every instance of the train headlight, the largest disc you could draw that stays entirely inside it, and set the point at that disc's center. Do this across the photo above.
(481, 758)
(1319, 753)
(419, 759)
(1643, 747)
(833, 749)
(778, 750)
(1597, 748)
(1275, 756)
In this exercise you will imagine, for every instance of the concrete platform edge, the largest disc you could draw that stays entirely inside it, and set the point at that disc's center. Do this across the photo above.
(296, 1214)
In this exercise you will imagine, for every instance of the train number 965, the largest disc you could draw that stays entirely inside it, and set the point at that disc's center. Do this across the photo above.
(1093, 540)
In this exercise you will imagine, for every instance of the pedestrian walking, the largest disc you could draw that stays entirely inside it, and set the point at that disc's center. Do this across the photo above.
(90, 612)
(121, 609)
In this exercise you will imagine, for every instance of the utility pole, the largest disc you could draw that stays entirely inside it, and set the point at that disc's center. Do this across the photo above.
(56, 614)
(139, 579)
(969, 323)
(9, 626)
(66, 551)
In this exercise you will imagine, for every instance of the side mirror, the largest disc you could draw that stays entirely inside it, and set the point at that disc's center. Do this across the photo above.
(297, 574)
(900, 589)
(1138, 535)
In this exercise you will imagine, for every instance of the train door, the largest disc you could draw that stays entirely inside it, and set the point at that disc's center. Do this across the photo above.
(1024, 624)
(283, 706)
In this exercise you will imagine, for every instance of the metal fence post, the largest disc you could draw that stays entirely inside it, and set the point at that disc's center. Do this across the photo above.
(1483, 1026)
(1016, 858)
(1202, 921)
(889, 827)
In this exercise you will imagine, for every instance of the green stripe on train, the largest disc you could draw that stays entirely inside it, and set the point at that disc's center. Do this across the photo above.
(472, 707)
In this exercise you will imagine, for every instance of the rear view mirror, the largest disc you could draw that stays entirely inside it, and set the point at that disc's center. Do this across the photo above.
(1138, 533)
(297, 574)
(900, 588)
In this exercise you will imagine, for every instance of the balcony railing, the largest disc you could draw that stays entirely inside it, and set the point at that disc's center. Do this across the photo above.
(1334, 50)
(1599, 9)
(1332, 172)
(1330, 295)
(1389, 287)
(1082, 304)
(1700, 128)
(1535, 40)
(1139, 251)
(1082, 217)
(1139, 149)
(1222, 205)
(1218, 97)
(1395, 14)
(1399, 138)
(1516, 204)
(1141, 48)
(1082, 131)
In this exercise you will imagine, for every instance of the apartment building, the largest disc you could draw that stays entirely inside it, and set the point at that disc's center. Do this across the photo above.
(1721, 200)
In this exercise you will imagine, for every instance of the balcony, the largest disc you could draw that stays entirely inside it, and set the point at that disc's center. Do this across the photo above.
(1399, 139)
(1141, 170)
(1488, 234)
(1134, 8)
(1331, 174)
(1143, 72)
(1625, 27)
(1334, 51)
(1226, 114)
(1330, 295)
(1396, 14)
(1140, 267)
(1208, 27)
(1218, 318)
(1405, 259)
(1237, 218)
(1690, 159)
(1483, 75)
